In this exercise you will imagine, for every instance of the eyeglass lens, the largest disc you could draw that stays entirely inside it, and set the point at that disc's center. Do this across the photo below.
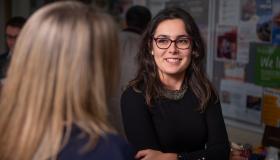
(181, 43)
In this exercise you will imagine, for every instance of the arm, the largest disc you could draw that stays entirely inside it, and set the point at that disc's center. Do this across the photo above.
(149, 154)
(137, 121)
(218, 145)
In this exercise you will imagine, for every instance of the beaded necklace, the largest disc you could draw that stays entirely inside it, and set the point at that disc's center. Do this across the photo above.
(174, 94)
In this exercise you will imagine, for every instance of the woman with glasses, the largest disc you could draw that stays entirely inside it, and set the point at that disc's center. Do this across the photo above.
(170, 110)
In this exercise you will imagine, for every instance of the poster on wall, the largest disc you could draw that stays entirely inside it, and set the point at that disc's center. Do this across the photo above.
(241, 101)
(248, 20)
(271, 107)
(226, 42)
(242, 50)
(266, 64)
(247, 28)
(229, 12)
(264, 14)
(254, 25)
(234, 71)
(276, 22)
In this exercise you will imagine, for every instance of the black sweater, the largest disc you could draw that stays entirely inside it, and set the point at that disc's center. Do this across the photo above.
(175, 126)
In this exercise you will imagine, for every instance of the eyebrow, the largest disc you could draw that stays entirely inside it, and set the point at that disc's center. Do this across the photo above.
(167, 36)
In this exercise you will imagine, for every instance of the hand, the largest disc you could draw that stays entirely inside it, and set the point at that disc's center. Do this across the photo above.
(149, 154)
(236, 152)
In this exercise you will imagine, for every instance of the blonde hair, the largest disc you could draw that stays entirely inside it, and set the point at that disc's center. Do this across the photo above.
(64, 66)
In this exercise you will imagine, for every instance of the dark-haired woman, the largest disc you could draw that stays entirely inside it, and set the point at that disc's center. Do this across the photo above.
(170, 110)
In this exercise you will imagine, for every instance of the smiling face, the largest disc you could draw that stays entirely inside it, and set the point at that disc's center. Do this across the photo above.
(172, 62)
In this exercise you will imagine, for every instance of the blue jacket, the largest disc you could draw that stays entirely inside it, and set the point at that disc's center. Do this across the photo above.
(110, 147)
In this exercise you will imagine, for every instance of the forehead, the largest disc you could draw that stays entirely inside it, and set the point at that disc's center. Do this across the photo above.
(12, 30)
(171, 27)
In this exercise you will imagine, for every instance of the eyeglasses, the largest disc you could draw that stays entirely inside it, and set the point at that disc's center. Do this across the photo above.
(180, 43)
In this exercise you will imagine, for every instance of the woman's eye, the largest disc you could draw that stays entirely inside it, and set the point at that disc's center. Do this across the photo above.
(163, 40)
(183, 41)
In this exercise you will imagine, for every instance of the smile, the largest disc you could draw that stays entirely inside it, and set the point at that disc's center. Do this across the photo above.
(173, 60)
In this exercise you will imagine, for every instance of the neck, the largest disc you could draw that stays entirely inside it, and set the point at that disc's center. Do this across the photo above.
(172, 82)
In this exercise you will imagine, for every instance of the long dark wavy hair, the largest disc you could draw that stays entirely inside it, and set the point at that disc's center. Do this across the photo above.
(147, 78)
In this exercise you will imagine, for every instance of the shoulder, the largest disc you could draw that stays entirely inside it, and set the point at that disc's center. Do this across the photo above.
(131, 94)
(127, 35)
(4, 58)
(116, 146)
(4, 55)
(109, 146)
(113, 140)
(133, 103)
(213, 107)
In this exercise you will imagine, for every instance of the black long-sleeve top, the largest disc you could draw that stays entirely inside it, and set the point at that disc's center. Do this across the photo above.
(175, 126)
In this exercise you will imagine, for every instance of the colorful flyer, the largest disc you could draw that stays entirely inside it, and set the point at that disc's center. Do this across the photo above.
(267, 65)
(271, 107)
(264, 12)
(241, 101)
(276, 22)
(226, 43)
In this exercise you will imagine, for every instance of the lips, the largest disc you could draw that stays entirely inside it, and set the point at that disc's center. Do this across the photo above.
(173, 60)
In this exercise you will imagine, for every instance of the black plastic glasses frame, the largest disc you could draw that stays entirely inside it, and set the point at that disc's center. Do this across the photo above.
(171, 41)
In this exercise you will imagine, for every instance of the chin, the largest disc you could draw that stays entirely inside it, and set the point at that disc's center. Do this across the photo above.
(173, 72)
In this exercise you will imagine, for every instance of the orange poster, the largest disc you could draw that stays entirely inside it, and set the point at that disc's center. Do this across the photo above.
(271, 107)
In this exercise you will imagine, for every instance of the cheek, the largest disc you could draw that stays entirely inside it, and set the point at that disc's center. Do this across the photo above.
(188, 59)
(158, 53)
(188, 52)
(156, 50)
(157, 59)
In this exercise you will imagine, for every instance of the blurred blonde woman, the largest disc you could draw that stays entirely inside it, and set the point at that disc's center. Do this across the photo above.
(53, 104)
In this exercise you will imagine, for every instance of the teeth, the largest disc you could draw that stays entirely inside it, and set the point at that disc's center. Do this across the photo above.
(172, 60)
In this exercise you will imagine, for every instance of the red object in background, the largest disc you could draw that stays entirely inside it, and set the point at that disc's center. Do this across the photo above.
(246, 150)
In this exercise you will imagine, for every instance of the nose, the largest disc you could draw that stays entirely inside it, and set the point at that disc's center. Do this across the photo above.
(172, 48)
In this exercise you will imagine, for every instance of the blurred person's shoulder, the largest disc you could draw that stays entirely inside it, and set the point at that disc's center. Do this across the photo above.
(4, 56)
(110, 146)
(130, 34)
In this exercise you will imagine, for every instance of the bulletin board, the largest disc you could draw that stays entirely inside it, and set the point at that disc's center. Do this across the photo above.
(246, 61)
